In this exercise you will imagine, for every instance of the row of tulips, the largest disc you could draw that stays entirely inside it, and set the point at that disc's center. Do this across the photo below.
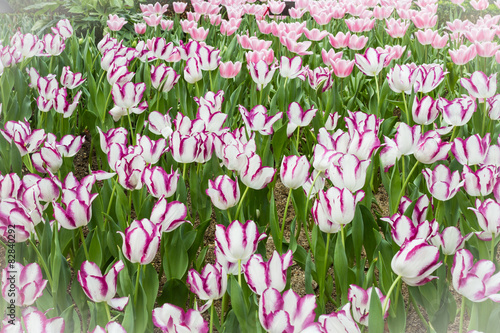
(184, 147)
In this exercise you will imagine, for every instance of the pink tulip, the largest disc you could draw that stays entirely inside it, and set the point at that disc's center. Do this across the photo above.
(425, 37)
(340, 40)
(357, 42)
(440, 42)
(229, 70)
(140, 28)
(315, 34)
(152, 20)
(479, 4)
(442, 183)
(179, 7)
(342, 68)
(150, 9)
(199, 34)
(463, 55)
(486, 49)
(167, 24)
(116, 23)
(423, 20)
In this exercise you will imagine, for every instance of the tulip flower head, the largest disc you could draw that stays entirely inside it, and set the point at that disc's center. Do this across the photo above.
(360, 300)
(29, 284)
(170, 318)
(238, 241)
(141, 241)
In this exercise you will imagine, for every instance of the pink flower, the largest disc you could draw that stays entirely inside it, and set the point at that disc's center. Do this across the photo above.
(179, 7)
(463, 55)
(342, 68)
(116, 23)
(229, 70)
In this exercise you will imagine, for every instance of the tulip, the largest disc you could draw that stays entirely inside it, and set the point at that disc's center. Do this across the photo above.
(425, 110)
(357, 42)
(494, 107)
(151, 150)
(54, 44)
(101, 288)
(401, 78)
(113, 135)
(152, 20)
(425, 37)
(339, 205)
(442, 183)
(227, 28)
(209, 58)
(63, 28)
(261, 275)
(463, 55)
(228, 70)
(261, 73)
(478, 282)
(321, 219)
(167, 24)
(34, 320)
(224, 192)
(330, 56)
(440, 42)
(179, 7)
(371, 63)
(294, 171)
(287, 313)
(253, 174)
(423, 20)
(130, 170)
(335, 322)
(415, 262)
(479, 4)
(111, 327)
(169, 214)
(172, 319)
(238, 241)
(457, 112)
(199, 34)
(319, 77)
(488, 216)
(290, 68)
(10, 185)
(340, 40)
(61, 105)
(115, 23)
(28, 45)
(479, 85)
(184, 148)
(298, 117)
(396, 28)
(128, 95)
(480, 182)
(141, 241)
(47, 159)
(161, 49)
(360, 300)
(403, 229)
(257, 119)
(471, 151)
(78, 211)
(14, 213)
(192, 71)
(428, 77)
(69, 79)
(28, 287)
(349, 172)
(450, 240)
(342, 68)
(163, 77)
(210, 285)
(159, 182)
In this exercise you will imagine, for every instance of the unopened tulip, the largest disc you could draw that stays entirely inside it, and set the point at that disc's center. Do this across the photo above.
(224, 192)
(349, 172)
(401, 78)
(442, 183)
(169, 214)
(425, 110)
(238, 241)
(294, 171)
(287, 313)
(141, 241)
(415, 262)
(428, 77)
(115, 23)
(478, 282)
(360, 300)
(339, 205)
(101, 288)
(229, 70)
(192, 71)
(159, 182)
(172, 319)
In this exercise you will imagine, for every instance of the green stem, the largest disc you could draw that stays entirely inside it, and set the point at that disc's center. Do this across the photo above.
(212, 317)
(84, 244)
(107, 311)
(131, 128)
(483, 125)
(403, 169)
(419, 313)
(493, 248)
(386, 301)
(325, 267)
(239, 272)
(342, 235)
(298, 137)
(378, 95)
(408, 121)
(241, 201)
(223, 308)
(229, 216)
(184, 172)
(454, 133)
(44, 264)
(137, 284)
(284, 219)
(462, 310)
(401, 193)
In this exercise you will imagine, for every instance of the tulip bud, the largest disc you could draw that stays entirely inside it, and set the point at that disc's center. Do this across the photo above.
(224, 192)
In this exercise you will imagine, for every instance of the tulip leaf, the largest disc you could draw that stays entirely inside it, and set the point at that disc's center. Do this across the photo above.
(278, 143)
(150, 284)
(395, 189)
(340, 268)
(397, 323)
(308, 274)
(357, 233)
(129, 318)
(71, 320)
(274, 224)
(174, 292)
(142, 315)
(240, 307)
(95, 249)
(375, 318)
(175, 257)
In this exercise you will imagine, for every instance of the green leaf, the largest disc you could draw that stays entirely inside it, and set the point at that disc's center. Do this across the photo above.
(95, 249)
(340, 267)
(174, 292)
(240, 307)
(278, 143)
(375, 319)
